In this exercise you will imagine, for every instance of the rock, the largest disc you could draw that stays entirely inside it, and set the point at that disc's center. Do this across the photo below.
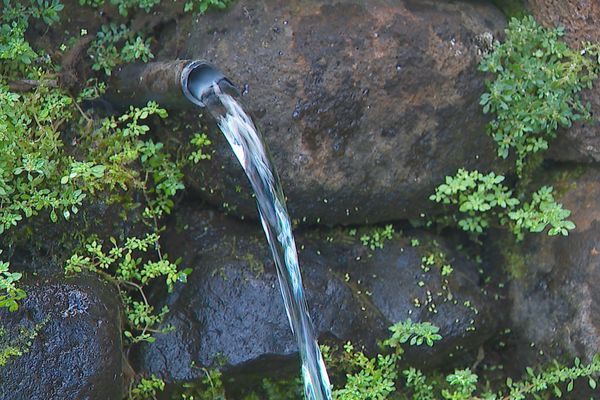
(580, 18)
(555, 312)
(230, 313)
(73, 327)
(366, 105)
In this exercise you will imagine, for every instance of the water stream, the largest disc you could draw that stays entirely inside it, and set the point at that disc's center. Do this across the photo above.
(252, 153)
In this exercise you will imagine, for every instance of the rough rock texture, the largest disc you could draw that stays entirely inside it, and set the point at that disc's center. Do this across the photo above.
(76, 352)
(231, 308)
(581, 19)
(366, 105)
(556, 304)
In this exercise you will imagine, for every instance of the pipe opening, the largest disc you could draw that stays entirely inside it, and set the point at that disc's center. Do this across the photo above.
(197, 80)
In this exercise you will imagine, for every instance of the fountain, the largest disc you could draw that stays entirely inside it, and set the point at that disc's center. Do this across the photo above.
(207, 87)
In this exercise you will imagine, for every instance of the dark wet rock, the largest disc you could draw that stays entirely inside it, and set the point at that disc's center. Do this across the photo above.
(555, 299)
(366, 105)
(231, 311)
(73, 326)
(581, 20)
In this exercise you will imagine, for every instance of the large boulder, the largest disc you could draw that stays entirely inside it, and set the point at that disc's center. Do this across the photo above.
(230, 313)
(69, 334)
(555, 295)
(366, 105)
(581, 19)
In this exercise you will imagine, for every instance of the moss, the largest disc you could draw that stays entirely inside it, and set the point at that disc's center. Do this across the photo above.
(564, 180)
(511, 8)
(256, 266)
(513, 256)
(13, 346)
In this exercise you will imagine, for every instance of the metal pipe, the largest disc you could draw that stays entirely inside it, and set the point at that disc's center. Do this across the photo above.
(165, 82)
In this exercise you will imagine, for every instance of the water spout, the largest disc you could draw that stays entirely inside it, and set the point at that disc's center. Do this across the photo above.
(205, 86)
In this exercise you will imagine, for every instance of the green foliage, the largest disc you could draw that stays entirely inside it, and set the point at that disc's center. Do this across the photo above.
(376, 378)
(462, 385)
(551, 380)
(105, 55)
(436, 259)
(125, 6)
(541, 212)
(130, 267)
(536, 88)
(119, 144)
(210, 387)
(12, 346)
(10, 293)
(417, 384)
(202, 6)
(376, 237)
(16, 54)
(32, 160)
(200, 141)
(91, 3)
(39, 173)
(367, 378)
(483, 200)
(146, 388)
(413, 333)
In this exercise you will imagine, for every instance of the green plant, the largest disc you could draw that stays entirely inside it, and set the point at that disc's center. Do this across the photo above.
(131, 269)
(10, 293)
(536, 87)
(377, 377)
(200, 141)
(366, 378)
(374, 378)
(462, 383)
(483, 200)
(105, 55)
(91, 3)
(412, 333)
(16, 54)
(146, 388)
(202, 6)
(548, 380)
(120, 146)
(376, 237)
(125, 6)
(438, 259)
(210, 387)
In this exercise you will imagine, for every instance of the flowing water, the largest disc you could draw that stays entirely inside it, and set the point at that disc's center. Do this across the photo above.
(252, 153)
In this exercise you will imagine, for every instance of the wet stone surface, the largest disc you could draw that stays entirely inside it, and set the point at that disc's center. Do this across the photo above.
(230, 313)
(73, 327)
(554, 312)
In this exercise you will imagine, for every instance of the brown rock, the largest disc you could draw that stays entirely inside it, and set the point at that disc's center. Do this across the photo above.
(366, 105)
(556, 302)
